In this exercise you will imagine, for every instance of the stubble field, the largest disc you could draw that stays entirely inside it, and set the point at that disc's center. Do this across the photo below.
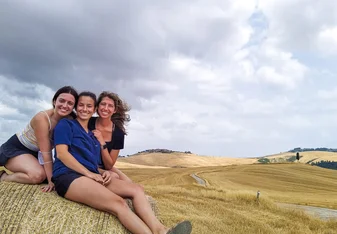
(228, 204)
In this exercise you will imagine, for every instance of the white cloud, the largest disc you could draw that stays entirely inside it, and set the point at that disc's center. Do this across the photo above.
(302, 25)
(327, 40)
(19, 102)
(328, 94)
(264, 107)
(6, 110)
(296, 121)
(213, 77)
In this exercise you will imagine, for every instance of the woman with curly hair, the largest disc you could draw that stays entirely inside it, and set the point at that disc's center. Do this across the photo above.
(109, 129)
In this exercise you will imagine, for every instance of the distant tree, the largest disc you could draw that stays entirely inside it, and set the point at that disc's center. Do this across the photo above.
(299, 149)
(297, 156)
(264, 160)
(326, 164)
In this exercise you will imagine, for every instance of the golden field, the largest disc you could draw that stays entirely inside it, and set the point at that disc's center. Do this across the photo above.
(183, 160)
(228, 204)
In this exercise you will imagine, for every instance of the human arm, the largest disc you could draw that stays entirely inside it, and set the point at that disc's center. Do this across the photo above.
(109, 159)
(41, 127)
(120, 175)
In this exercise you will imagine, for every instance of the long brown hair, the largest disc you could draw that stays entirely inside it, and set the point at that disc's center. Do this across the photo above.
(120, 117)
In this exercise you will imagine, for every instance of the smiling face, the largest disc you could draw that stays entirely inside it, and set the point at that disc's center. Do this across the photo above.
(64, 104)
(106, 108)
(85, 107)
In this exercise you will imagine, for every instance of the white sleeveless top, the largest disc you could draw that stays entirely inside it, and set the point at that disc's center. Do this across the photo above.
(27, 136)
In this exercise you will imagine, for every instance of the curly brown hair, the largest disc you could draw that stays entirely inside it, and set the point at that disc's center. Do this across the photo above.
(120, 117)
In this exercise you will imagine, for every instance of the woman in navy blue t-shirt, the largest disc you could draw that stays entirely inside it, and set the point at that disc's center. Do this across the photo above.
(110, 131)
(77, 177)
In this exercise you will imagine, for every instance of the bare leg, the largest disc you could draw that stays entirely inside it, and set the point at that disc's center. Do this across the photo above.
(91, 193)
(26, 170)
(140, 203)
(121, 175)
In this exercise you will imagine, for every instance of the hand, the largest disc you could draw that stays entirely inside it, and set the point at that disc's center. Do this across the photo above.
(48, 188)
(106, 177)
(96, 177)
(98, 136)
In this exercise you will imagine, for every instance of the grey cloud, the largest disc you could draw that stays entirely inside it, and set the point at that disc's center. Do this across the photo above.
(97, 45)
(298, 22)
(53, 46)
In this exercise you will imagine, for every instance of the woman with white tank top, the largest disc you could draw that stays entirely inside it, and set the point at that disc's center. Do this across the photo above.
(28, 153)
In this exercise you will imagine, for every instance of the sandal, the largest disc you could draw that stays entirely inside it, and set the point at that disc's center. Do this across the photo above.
(184, 227)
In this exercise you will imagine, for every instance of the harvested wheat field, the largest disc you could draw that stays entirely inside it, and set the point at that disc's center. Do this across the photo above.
(183, 160)
(292, 183)
(227, 204)
(120, 164)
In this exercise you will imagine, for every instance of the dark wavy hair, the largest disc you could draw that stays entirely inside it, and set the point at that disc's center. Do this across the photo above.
(66, 89)
(88, 94)
(120, 117)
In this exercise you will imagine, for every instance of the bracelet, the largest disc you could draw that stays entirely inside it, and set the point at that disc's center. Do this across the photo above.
(47, 152)
(48, 162)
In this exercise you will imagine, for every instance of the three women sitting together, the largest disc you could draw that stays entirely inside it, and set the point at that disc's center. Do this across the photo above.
(86, 149)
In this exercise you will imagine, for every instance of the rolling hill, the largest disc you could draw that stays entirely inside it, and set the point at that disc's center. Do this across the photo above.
(181, 160)
(308, 156)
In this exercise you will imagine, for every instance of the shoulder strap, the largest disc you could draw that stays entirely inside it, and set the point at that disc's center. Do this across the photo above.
(48, 119)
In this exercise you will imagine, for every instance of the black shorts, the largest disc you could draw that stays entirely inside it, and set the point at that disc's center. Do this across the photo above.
(12, 148)
(63, 182)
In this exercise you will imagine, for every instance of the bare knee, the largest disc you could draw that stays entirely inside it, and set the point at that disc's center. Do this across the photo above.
(119, 206)
(37, 177)
(114, 175)
(138, 190)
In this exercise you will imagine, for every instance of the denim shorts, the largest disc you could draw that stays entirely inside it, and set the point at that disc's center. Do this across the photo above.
(62, 182)
(12, 148)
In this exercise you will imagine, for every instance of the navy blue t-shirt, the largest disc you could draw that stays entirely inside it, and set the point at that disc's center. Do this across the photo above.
(83, 146)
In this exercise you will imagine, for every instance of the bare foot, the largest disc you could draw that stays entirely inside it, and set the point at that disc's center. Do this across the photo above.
(3, 174)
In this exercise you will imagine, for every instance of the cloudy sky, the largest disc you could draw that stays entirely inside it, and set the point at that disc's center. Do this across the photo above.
(216, 77)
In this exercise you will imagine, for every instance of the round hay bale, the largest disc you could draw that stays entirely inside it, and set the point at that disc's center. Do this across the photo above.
(26, 209)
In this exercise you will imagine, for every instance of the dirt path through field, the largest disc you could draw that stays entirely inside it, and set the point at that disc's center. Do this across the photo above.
(199, 180)
(322, 213)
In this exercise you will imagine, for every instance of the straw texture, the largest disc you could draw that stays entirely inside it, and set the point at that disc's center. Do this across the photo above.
(25, 209)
